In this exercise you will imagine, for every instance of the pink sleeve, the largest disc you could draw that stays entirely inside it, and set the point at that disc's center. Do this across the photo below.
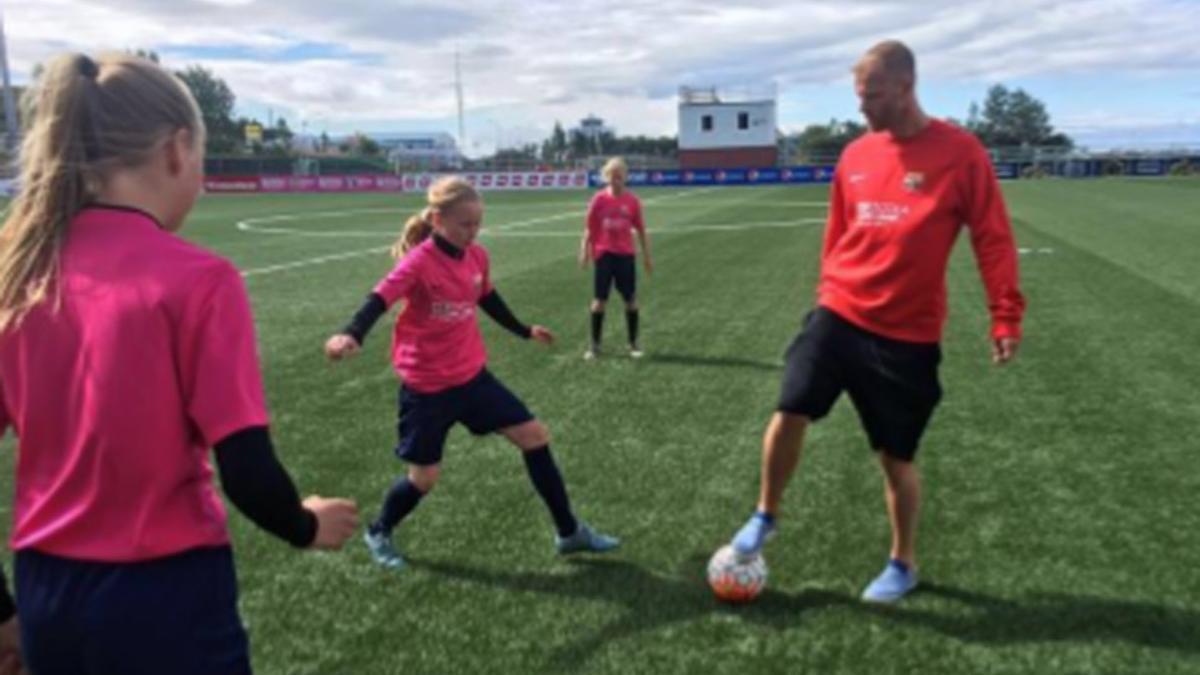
(593, 216)
(992, 240)
(400, 281)
(835, 226)
(637, 215)
(222, 384)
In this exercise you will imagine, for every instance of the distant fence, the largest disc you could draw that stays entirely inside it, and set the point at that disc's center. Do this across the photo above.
(507, 180)
(1095, 167)
(788, 175)
(294, 166)
(484, 180)
(519, 180)
(252, 184)
(764, 176)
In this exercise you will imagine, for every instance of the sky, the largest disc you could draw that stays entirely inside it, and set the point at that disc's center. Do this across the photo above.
(1112, 73)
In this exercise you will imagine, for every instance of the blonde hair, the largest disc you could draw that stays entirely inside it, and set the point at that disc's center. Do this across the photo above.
(614, 165)
(446, 193)
(87, 118)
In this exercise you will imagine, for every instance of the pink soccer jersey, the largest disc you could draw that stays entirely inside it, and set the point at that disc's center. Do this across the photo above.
(611, 222)
(117, 395)
(436, 343)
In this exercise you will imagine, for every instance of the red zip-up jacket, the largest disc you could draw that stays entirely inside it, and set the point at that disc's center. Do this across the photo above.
(895, 209)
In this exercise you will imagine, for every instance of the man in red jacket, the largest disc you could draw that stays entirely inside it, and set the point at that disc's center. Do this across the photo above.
(899, 197)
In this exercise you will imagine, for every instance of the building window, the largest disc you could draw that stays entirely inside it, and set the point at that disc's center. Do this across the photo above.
(743, 120)
(706, 123)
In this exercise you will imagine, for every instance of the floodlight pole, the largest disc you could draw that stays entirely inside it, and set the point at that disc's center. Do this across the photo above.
(458, 90)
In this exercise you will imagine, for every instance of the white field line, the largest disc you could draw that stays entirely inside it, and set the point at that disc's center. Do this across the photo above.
(251, 224)
(504, 230)
(681, 229)
(312, 261)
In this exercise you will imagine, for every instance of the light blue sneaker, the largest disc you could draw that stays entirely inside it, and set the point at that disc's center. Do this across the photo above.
(585, 539)
(893, 583)
(382, 550)
(749, 540)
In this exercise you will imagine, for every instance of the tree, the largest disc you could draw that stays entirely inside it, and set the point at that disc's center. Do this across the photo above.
(561, 145)
(215, 99)
(1009, 118)
(280, 134)
(823, 142)
(359, 143)
(368, 146)
(558, 140)
(606, 143)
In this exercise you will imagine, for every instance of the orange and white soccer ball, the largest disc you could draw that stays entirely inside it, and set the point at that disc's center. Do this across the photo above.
(734, 578)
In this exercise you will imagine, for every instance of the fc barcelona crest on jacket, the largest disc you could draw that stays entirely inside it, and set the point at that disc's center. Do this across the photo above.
(913, 181)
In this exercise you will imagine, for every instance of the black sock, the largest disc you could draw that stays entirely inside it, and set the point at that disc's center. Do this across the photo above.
(597, 327)
(400, 500)
(631, 322)
(549, 484)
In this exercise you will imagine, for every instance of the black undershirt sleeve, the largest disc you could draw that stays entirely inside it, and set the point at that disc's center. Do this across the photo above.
(495, 307)
(366, 316)
(260, 487)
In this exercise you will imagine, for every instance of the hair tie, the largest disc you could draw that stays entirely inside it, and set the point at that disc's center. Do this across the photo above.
(88, 67)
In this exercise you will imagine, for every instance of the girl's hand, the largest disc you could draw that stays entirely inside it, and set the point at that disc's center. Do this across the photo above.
(648, 264)
(341, 346)
(541, 334)
(583, 259)
(337, 519)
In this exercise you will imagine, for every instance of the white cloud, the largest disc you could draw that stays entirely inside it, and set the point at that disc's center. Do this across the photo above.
(531, 62)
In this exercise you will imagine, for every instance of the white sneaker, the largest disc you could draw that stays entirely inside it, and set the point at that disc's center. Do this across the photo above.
(590, 355)
(636, 352)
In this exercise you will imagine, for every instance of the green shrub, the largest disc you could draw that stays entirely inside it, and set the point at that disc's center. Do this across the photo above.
(1182, 168)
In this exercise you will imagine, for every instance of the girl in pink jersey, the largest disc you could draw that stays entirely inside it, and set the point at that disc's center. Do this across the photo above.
(437, 350)
(126, 354)
(613, 215)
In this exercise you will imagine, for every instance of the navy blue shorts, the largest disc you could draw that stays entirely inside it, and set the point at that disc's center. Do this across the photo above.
(610, 268)
(893, 384)
(170, 615)
(484, 405)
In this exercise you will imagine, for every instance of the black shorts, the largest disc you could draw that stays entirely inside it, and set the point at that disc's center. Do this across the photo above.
(483, 405)
(611, 267)
(176, 614)
(893, 384)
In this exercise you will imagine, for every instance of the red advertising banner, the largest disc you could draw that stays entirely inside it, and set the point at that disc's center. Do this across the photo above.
(231, 184)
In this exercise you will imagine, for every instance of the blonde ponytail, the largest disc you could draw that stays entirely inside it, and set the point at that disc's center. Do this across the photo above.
(86, 118)
(417, 229)
(445, 193)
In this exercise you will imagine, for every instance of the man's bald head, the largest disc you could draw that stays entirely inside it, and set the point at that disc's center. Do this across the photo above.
(891, 58)
(885, 82)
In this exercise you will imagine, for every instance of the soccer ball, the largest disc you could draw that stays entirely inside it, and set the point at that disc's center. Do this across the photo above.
(734, 578)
